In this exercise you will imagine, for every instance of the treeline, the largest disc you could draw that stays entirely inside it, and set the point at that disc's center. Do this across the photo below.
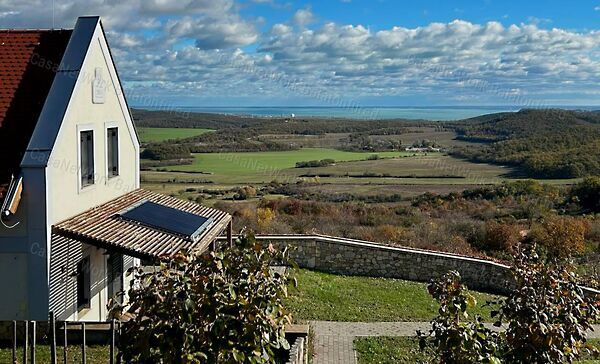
(315, 163)
(581, 198)
(540, 143)
(360, 142)
(224, 140)
(275, 125)
(165, 151)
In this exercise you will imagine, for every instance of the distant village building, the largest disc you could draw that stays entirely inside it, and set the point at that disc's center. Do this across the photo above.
(423, 149)
(73, 217)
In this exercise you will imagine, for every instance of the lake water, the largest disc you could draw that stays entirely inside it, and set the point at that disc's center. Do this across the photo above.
(372, 113)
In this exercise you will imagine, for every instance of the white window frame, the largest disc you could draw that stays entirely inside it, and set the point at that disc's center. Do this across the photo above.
(82, 128)
(109, 125)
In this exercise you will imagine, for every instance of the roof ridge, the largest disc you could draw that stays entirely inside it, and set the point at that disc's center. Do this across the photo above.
(33, 30)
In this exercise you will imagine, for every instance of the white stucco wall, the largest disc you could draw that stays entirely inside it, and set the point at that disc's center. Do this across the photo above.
(66, 197)
(53, 194)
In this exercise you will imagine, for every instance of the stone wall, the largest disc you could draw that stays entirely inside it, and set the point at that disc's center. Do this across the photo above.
(353, 257)
(364, 258)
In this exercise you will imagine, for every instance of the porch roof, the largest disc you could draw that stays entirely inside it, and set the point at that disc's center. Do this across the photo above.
(104, 227)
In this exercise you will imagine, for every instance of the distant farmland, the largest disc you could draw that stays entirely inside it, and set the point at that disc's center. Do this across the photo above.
(161, 134)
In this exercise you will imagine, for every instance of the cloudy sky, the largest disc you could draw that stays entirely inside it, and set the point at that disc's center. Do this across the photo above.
(342, 52)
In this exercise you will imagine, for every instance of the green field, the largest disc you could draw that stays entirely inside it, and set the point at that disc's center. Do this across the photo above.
(391, 168)
(399, 350)
(267, 166)
(147, 135)
(322, 296)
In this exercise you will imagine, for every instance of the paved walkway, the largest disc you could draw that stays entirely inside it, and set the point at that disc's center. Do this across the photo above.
(333, 341)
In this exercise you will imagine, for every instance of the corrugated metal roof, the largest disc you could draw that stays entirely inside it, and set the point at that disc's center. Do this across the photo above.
(101, 226)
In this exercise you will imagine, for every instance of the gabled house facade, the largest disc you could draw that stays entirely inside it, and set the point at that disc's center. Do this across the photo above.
(69, 175)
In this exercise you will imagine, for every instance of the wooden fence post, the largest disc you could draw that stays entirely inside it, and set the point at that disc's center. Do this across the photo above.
(119, 353)
(112, 341)
(65, 343)
(83, 343)
(14, 350)
(52, 338)
(26, 344)
(33, 333)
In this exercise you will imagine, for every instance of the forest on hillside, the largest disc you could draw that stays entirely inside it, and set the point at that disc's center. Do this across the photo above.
(552, 143)
(541, 143)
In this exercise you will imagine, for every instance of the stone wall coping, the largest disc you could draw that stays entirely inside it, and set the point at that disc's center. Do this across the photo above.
(372, 245)
(380, 247)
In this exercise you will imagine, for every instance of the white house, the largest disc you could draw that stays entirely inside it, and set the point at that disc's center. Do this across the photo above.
(73, 216)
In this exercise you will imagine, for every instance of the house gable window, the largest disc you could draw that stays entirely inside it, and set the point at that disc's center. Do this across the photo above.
(86, 151)
(83, 283)
(112, 148)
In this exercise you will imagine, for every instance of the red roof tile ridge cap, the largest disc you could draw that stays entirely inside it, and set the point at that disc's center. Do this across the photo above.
(33, 30)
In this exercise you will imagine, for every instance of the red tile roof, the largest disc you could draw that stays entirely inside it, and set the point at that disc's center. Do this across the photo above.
(28, 63)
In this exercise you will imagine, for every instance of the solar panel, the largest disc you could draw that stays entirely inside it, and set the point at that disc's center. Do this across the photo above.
(167, 219)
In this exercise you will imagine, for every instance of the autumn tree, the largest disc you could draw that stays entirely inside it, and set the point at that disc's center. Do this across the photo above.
(220, 307)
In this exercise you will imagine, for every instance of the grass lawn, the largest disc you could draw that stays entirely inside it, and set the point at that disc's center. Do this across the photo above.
(94, 354)
(396, 350)
(160, 134)
(322, 296)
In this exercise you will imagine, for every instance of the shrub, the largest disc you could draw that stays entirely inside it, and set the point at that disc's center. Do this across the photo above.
(265, 216)
(547, 316)
(244, 193)
(500, 237)
(587, 194)
(222, 307)
(166, 151)
(451, 339)
(559, 237)
(315, 163)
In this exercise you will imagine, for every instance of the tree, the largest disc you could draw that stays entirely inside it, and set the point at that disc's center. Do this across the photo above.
(559, 237)
(587, 194)
(220, 307)
(547, 314)
(546, 318)
(451, 339)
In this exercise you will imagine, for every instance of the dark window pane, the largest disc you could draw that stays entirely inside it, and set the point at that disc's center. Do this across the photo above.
(113, 151)
(87, 158)
(83, 283)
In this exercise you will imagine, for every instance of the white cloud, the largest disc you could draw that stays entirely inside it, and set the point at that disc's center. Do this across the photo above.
(303, 17)
(196, 48)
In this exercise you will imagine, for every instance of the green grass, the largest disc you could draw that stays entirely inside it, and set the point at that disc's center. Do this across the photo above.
(384, 350)
(95, 354)
(267, 166)
(398, 350)
(160, 134)
(322, 296)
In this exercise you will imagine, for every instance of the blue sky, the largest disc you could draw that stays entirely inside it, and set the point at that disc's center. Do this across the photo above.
(381, 14)
(342, 52)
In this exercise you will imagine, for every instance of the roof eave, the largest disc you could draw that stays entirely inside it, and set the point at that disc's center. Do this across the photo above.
(56, 103)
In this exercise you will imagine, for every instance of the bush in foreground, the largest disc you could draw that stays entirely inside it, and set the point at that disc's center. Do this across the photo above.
(546, 318)
(221, 307)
